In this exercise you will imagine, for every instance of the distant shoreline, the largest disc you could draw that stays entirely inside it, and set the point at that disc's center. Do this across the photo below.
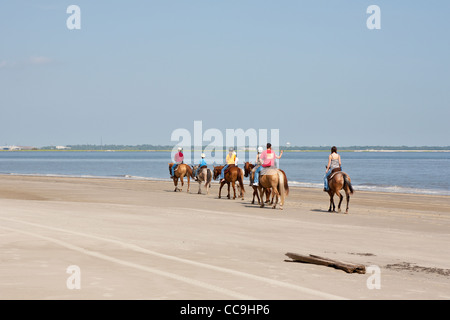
(285, 150)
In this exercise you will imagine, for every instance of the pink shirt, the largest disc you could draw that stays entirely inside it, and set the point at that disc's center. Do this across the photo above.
(179, 157)
(268, 158)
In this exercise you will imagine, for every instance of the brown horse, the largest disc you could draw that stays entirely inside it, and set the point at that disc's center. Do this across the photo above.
(232, 175)
(248, 167)
(339, 180)
(279, 185)
(180, 172)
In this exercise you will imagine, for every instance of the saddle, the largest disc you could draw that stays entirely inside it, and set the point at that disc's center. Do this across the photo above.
(228, 169)
(333, 173)
(268, 171)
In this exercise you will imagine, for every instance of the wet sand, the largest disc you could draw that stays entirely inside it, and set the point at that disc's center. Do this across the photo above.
(136, 239)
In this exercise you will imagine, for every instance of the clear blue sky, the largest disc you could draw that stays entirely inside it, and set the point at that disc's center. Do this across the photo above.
(137, 70)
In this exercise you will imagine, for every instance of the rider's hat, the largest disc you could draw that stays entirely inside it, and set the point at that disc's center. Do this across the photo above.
(203, 155)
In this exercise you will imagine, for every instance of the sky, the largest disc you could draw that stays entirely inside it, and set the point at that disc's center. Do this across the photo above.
(138, 70)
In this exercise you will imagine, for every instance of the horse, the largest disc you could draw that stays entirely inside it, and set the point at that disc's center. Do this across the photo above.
(180, 172)
(204, 175)
(248, 167)
(233, 174)
(339, 181)
(279, 185)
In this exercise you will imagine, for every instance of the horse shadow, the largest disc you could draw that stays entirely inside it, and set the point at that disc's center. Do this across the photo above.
(319, 210)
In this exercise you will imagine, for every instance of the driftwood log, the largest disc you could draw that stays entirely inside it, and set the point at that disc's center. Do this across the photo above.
(346, 266)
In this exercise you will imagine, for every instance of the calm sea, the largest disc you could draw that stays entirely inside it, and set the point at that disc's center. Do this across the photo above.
(406, 172)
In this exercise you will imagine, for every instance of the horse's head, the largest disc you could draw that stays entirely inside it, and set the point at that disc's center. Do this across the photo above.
(216, 172)
(170, 167)
(194, 168)
(248, 168)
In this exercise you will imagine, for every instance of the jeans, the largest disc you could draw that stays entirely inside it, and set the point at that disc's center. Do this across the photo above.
(325, 179)
(173, 168)
(223, 172)
(256, 178)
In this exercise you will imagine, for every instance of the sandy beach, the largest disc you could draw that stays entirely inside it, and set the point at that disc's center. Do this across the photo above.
(137, 239)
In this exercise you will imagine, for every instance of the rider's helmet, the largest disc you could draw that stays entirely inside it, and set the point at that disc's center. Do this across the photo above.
(231, 149)
(203, 155)
(260, 149)
(179, 148)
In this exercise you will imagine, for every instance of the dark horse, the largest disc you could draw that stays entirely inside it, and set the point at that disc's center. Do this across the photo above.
(248, 167)
(339, 180)
(232, 175)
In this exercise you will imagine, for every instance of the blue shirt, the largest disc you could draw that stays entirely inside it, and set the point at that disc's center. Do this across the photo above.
(202, 163)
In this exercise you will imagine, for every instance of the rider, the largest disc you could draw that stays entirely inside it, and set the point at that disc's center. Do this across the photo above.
(258, 163)
(268, 160)
(179, 157)
(200, 165)
(334, 164)
(231, 160)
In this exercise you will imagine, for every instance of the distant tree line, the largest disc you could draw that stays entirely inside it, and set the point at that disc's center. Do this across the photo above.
(145, 147)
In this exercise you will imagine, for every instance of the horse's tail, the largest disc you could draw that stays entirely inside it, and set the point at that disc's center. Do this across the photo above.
(281, 187)
(208, 177)
(286, 186)
(348, 183)
(189, 171)
(240, 177)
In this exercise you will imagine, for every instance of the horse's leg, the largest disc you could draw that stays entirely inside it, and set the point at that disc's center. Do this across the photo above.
(257, 195)
(331, 201)
(261, 194)
(189, 182)
(275, 194)
(233, 183)
(268, 193)
(199, 186)
(228, 196)
(348, 200)
(175, 182)
(340, 200)
(220, 188)
(334, 206)
(182, 183)
(254, 193)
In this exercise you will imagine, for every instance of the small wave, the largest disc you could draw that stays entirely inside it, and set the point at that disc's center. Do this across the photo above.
(399, 189)
(364, 187)
(378, 188)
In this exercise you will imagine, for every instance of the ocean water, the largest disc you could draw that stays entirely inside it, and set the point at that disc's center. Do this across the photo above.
(404, 172)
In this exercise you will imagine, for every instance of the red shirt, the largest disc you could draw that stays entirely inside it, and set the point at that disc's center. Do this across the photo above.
(179, 157)
(268, 158)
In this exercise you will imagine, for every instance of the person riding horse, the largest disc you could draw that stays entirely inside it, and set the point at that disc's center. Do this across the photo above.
(231, 161)
(201, 165)
(267, 159)
(258, 163)
(179, 158)
(334, 165)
